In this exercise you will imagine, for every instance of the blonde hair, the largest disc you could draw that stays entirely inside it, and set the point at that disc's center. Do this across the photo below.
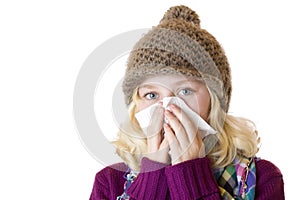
(131, 142)
(237, 137)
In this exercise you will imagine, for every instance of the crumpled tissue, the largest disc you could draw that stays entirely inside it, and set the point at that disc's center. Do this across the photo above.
(144, 118)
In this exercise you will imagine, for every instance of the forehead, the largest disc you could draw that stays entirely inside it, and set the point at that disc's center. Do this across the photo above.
(170, 80)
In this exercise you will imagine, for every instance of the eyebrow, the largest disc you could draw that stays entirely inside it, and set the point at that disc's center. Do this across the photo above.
(147, 86)
(153, 85)
(189, 81)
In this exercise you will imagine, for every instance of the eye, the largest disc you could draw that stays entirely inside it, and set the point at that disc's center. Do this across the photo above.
(151, 95)
(185, 92)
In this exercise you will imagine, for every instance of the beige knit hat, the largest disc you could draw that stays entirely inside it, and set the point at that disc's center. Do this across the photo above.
(178, 45)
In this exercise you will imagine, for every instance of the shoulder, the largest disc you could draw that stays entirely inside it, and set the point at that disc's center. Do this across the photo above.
(112, 171)
(266, 170)
(269, 181)
(109, 182)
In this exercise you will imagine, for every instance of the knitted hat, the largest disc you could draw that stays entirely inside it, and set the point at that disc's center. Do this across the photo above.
(178, 45)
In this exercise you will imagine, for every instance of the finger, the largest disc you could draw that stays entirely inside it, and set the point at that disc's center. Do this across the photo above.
(164, 149)
(202, 146)
(178, 129)
(164, 144)
(156, 122)
(189, 127)
(173, 143)
(154, 130)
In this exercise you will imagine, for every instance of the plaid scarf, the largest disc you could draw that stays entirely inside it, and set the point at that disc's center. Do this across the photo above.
(130, 176)
(237, 180)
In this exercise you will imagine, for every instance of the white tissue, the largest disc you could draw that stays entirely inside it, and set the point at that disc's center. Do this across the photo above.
(144, 116)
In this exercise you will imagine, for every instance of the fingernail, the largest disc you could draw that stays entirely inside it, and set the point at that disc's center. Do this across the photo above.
(166, 125)
(167, 112)
(172, 106)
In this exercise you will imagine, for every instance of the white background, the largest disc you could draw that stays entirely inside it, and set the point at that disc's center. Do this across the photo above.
(43, 45)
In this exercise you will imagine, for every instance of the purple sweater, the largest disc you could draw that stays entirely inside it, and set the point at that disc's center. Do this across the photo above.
(192, 179)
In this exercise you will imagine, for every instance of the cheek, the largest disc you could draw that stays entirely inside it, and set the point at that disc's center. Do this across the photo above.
(202, 105)
(141, 105)
(204, 108)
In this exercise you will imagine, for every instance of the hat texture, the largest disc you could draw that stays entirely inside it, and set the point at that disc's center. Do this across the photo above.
(178, 45)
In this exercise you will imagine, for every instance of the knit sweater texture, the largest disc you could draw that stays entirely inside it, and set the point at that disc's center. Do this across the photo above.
(189, 180)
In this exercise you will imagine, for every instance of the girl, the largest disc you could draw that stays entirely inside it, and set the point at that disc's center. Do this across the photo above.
(174, 157)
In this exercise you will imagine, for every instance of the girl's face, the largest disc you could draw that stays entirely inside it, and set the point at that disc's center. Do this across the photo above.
(192, 90)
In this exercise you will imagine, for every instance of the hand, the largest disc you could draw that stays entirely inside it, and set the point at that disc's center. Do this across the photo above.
(182, 135)
(157, 145)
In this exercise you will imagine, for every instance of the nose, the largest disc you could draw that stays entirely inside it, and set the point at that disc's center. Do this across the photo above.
(167, 93)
